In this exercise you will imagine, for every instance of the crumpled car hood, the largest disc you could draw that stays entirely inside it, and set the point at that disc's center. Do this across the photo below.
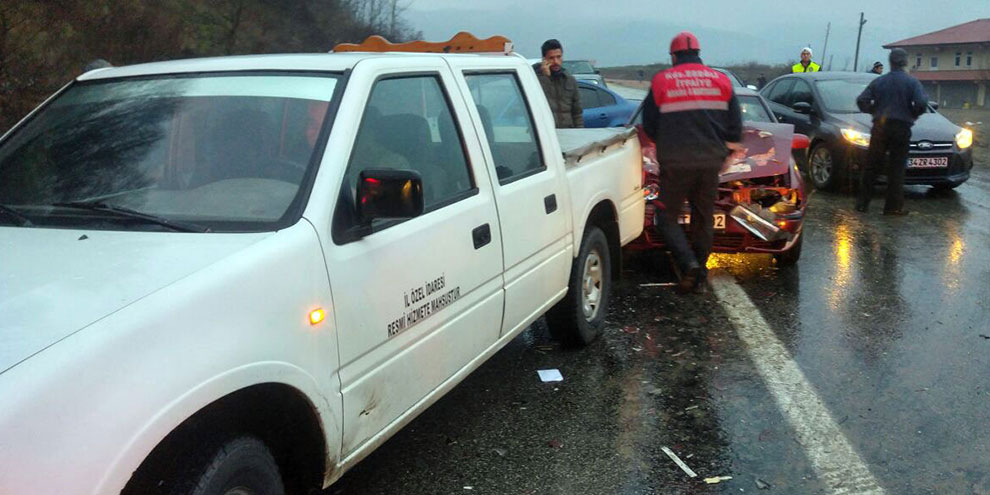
(768, 152)
(54, 282)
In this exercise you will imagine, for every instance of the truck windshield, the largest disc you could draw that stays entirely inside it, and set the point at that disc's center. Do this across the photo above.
(228, 152)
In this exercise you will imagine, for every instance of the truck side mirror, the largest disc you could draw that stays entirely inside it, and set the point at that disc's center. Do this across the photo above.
(802, 107)
(388, 193)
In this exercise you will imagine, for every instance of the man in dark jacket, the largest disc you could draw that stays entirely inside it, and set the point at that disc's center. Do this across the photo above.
(560, 87)
(896, 100)
(692, 115)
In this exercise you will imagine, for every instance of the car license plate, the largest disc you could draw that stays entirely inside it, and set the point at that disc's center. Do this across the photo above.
(718, 220)
(929, 162)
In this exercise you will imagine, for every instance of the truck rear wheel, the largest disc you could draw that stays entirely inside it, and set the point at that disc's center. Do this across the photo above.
(578, 318)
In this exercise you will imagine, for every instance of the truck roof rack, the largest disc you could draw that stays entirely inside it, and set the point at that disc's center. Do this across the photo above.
(462, 42)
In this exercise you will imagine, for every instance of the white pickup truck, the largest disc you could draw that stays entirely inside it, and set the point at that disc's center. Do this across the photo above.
(243, 274)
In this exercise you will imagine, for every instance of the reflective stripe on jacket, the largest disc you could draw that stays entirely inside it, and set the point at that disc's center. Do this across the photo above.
(812, 67)
(690, 112)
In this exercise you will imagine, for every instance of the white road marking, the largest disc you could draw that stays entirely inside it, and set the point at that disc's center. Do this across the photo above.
(838, 465)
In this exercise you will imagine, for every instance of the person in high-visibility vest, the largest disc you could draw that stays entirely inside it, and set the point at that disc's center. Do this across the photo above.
(806, 65)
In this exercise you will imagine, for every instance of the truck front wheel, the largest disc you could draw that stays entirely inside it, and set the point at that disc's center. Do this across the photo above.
(242, 466)
(577, 320)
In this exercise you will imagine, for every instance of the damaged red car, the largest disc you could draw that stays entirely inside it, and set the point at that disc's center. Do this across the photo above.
(761, 197)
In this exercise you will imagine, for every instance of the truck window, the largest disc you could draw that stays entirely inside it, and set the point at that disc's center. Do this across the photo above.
(508, 125)
(408, 124)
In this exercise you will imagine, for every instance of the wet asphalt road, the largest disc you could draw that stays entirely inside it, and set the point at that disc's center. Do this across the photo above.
(887, 318)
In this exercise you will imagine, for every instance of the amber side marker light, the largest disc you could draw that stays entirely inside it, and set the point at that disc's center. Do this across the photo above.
(316, 316)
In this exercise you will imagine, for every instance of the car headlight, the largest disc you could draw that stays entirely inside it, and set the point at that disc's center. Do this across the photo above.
(856, 137)
(651, 192)
(964, 139)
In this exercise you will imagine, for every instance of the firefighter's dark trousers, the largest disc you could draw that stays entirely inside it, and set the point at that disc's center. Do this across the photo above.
(696, 182)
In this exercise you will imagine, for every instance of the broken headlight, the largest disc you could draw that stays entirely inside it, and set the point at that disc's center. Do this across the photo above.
(651, 192)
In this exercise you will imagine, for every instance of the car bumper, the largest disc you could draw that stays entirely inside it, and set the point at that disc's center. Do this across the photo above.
(733, 239)
(960, 165)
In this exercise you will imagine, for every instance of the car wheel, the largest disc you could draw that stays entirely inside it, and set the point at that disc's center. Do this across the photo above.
(242, 466)
(577, 319)
(792, 255)
(823, 169)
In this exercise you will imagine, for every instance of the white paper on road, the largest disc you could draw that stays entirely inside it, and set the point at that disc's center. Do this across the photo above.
(678, 461)
(550, 375)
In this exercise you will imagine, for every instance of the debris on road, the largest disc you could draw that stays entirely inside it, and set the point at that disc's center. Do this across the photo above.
(985, 336)
(501, 452)
(661, 284)
(552, 375)
(717, 479)
(555, 444)
(678, 461)
(762, 485)
(631, 330)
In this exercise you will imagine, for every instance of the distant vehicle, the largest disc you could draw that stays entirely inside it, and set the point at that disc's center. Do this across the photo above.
(736, 82)
(761, 201)
(582, 70)
(604, 107)
(822, 105)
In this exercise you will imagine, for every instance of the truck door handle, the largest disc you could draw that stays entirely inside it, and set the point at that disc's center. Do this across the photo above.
(482, 235)
(550, 203)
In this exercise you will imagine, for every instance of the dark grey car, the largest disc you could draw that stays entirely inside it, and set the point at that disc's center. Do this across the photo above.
(822, 105)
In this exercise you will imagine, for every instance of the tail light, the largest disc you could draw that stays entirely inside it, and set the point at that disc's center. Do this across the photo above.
(800, 142)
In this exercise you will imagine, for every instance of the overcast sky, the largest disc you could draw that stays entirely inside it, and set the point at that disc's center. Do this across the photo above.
(624, 32)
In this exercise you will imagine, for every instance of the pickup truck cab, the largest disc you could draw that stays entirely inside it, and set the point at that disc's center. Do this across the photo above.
(249, 272)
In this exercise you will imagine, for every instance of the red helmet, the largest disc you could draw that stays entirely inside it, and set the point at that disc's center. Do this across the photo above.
(684, 40)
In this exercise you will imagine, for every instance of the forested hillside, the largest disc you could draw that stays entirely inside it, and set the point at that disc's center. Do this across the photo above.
(45, 43)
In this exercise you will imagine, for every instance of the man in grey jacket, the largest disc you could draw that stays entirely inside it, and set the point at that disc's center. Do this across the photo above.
(560, 88)
(895, 100)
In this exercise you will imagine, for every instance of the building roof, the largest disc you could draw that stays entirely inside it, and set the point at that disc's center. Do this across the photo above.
(952, 75)
(977, 31)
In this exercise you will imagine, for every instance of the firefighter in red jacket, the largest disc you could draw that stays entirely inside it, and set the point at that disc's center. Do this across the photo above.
(692, 115)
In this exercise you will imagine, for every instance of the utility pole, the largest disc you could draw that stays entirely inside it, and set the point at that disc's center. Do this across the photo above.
(858, 36)
(825, 47)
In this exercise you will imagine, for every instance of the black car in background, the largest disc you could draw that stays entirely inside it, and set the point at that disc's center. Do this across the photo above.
(822, 105)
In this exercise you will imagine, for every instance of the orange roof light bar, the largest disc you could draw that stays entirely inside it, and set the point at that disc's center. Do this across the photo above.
(462, 42)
